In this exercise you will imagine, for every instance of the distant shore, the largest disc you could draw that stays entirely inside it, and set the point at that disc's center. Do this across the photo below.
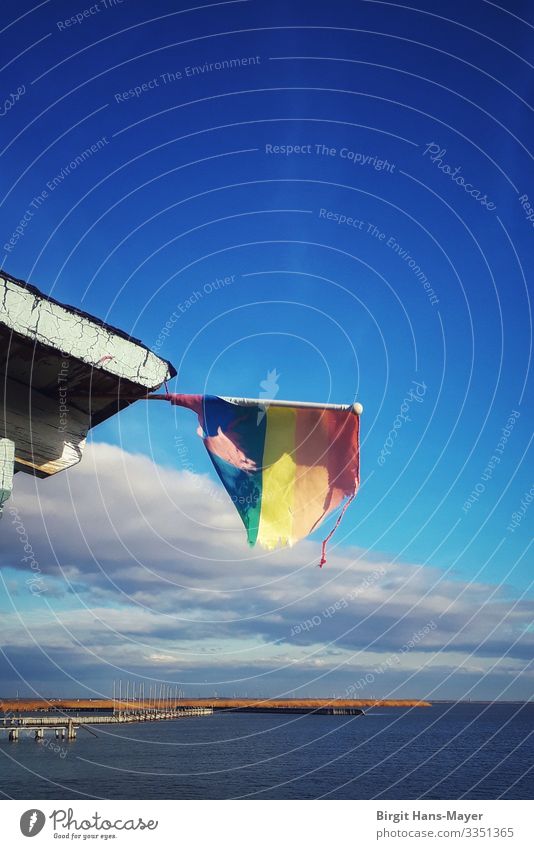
(256, 705)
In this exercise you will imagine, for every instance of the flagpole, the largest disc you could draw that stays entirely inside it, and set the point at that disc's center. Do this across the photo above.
(355, 408)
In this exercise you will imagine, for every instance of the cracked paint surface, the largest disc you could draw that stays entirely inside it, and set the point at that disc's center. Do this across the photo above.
(7, 457)
(55, 326)
(62, 372)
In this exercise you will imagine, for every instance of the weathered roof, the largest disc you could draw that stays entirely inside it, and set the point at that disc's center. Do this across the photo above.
(55, 356)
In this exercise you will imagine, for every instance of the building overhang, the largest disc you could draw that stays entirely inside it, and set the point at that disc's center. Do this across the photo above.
(63, 371)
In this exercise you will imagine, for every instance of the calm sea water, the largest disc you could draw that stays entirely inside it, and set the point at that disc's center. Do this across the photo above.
(445, 752)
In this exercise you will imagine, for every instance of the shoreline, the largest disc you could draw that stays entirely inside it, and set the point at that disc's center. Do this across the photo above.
(216, 704)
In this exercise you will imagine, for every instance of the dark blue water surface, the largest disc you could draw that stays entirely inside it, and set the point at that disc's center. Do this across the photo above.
(448, 751)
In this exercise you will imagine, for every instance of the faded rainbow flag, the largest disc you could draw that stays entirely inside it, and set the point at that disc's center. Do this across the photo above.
(285, 468)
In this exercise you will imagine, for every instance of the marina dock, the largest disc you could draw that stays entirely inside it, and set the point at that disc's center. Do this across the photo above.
(66, 726)
(65, 716)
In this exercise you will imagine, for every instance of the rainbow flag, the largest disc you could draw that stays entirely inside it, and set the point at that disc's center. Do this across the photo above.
(285, 468)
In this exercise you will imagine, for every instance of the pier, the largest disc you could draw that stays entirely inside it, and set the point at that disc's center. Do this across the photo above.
(65, 716)
(66, 726)
(66, 731)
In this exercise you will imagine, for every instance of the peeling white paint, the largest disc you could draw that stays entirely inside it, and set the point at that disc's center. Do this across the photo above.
(47, 323)
(7, 459)
(63, 373)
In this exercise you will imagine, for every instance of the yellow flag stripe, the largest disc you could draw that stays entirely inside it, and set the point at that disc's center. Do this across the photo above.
(278, 478)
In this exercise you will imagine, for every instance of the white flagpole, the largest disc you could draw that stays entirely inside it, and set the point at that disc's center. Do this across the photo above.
(355, 408)
(307, 405)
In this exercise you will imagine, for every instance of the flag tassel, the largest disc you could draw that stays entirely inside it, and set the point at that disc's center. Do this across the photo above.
(332, 532)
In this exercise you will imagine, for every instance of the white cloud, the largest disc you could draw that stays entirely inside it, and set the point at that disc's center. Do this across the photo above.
(141, 567)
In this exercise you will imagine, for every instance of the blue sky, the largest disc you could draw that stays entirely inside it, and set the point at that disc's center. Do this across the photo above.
(192, 183)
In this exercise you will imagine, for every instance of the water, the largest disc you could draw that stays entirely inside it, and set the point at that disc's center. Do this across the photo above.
(447, 751)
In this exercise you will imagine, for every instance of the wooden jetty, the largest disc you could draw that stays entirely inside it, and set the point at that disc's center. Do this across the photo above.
(63, 730)
(66, 726)
(65, 716)
(130, 706)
